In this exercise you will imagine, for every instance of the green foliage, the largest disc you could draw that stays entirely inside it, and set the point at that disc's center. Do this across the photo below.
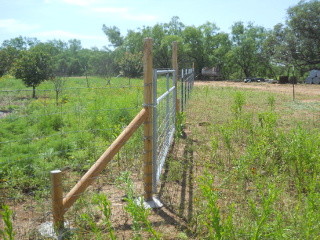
(33, 68)
(105, 206)
(7, 233)
(247, 48)
(247, 51)
(131, 65)
(113, 34)
(39, 135)
(180, 123)
(239, 102)
(303, 20)
(135, 208)
(210, 216)
(257, 177)
(296, 43)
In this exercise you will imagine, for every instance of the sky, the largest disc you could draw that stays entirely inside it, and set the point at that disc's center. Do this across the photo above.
(83, 19)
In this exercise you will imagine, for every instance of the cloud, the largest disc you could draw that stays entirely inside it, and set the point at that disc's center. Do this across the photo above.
(124, 13)
(79, 2)
(82, 3)
(58, 34)
(141, 17)
(16, 26)
(110, 10)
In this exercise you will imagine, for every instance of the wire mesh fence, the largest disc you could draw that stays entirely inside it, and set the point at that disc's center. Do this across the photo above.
(70, 132)
(187, 82)
(164, 113)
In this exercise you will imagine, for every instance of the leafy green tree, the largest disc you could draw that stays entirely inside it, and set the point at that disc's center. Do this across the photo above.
(304, 21)
(174, 27)
(114, 35)
(8, 56)
(279, 46)
(219, 57)
(11, 50)
(200, 44)
(101, 64)
(131, 65)
(247, 51)
(21, 43)
(33, 68)
(297, 43)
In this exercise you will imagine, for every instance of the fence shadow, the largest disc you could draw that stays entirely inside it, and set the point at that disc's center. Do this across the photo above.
(177, 190)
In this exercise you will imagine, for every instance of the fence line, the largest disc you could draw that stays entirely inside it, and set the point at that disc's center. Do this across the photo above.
(187, 82)
(157, 116)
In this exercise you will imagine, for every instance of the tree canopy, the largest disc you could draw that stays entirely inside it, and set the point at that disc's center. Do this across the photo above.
(248, 50)
(33, 67)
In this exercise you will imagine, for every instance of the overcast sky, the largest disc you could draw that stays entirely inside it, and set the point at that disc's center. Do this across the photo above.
(83, 19)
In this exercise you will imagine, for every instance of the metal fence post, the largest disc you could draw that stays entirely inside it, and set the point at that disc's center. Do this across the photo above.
(148, 143)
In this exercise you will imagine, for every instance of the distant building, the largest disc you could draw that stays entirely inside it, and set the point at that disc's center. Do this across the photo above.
(213, 73)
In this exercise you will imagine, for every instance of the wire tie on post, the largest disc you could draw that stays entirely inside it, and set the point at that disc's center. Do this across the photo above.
(148, 137)
(148, 105)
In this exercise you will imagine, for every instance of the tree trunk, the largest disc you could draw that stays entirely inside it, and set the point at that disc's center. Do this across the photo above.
(33, 91)
(57, 98)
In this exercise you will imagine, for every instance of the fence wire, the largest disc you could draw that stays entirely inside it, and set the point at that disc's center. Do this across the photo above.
(40, 135)
(186, 86)
(164, 113)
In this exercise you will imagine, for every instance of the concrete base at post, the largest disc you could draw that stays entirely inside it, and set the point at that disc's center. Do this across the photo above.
(47, 230)
(153, 203)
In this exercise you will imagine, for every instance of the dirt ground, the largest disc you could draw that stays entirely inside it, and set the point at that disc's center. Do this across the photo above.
(310, 90)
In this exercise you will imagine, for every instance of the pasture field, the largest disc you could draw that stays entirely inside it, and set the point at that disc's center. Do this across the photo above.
(42, 134)
(244, 166)
(251, 162)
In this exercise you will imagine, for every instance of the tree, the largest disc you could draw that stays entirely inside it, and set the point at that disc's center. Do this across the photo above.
(101, 64)
(33, 68)
(11, 49)
(279, 46)
(21, 43)
(247, 51)
(58, 81)
(200, 44)
(8, 56)
(114, 35)
(303, 21)
(131, 65)
(174, 27)
(297, 43)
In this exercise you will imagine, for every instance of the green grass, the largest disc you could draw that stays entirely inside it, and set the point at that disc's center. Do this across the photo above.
(245, 163)
(39, 136)
(257, 165)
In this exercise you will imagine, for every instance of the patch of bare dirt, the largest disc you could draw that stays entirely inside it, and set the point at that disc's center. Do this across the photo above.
(310, 90)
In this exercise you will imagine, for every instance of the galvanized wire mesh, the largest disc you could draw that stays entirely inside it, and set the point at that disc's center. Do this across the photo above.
(187, 82)
(164, 114)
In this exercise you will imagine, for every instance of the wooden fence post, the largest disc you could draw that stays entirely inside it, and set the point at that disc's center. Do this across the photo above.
(147, 158)
(57, 198)
(175, 67)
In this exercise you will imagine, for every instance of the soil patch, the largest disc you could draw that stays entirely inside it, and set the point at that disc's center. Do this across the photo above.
(311, 90)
